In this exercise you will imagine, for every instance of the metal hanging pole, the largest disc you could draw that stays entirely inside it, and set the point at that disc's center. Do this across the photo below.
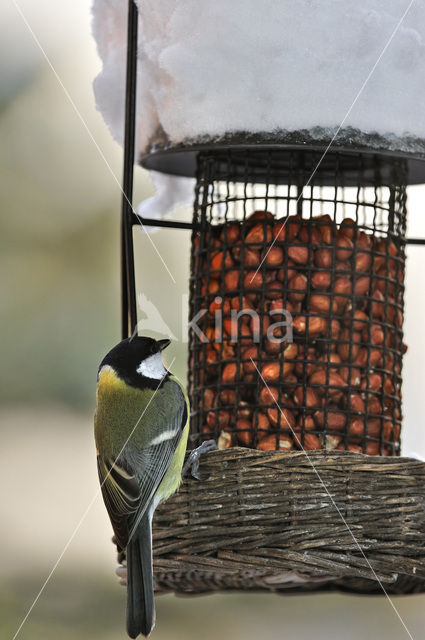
(128, 288)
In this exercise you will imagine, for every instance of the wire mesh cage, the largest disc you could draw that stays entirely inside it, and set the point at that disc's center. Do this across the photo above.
(297, 283)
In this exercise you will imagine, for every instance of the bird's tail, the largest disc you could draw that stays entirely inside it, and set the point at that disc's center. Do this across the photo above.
(140, 597)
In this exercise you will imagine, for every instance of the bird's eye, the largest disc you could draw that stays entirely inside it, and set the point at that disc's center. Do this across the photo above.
(153, 348)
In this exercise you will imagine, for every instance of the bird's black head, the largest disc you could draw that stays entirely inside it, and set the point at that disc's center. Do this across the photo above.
(137, 361)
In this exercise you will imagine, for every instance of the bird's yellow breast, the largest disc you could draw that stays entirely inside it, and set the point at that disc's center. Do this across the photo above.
(118, 412)
(109, 382)
(173, 476)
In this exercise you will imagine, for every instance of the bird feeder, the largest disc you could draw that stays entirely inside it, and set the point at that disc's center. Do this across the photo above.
(298, 248)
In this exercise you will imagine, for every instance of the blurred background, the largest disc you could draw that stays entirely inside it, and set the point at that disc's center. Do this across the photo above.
(59, 265)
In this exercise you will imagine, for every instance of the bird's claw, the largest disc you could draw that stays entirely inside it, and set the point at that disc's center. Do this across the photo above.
(193, 459)
(121, 572)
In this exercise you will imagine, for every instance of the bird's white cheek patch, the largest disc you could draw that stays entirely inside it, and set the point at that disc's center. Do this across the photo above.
(152, 367)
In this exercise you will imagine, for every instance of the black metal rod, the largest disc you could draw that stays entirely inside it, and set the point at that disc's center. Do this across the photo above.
(128, 284)
(419, 241)
(152, 222)
(179, 224)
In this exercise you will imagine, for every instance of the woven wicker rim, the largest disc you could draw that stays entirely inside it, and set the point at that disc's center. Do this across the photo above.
(266, 520)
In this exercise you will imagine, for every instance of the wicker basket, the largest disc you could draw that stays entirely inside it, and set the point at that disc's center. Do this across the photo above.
(290, 522)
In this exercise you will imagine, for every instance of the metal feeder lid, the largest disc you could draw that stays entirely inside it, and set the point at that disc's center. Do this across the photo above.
(180, 159)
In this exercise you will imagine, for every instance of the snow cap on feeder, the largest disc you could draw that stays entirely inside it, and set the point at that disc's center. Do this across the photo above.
(230, 73)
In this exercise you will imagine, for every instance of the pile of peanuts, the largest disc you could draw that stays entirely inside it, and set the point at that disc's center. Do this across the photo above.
(336, 384)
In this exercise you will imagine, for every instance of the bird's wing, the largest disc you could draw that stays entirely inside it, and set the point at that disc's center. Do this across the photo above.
(130, 482)
(121, 494)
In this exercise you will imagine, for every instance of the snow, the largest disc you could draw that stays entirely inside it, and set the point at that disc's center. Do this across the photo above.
(207, 68)
(170, 192)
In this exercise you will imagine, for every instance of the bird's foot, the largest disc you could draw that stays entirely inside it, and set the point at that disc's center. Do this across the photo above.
(193, 459)
(121, 572)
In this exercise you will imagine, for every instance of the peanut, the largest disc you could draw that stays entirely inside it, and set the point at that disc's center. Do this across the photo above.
(209, 398)
(362, 286)
(230, 233)
(342, 292)
(321, 377)
(231, 280)
(284, 275)
(213, 287)
(229, 373)
(244, 431)
(274, 290)
(221, 260)
(321, 280)
(259, 235)
(243, 305)
(211, 355)
(335, 420)
(263, 423)
(348, 228)
(314, 325)
(308, 425)
(297, 288)
(373, 382)
(310, 442)
(253, 280)
(344, 246)
(224, 441)
(349, 345)
(244, 410)
(249, 257)
(228, 397)
(309, 398)
(331, 442)
(326, 227)
(281, 417)
(269, 395)
(261, 215)
(271, 443)
(309, 234)
(220, 418)
(270, 372)
(335, 329)
(322, 303)
(247, 355)
(362, 262)
(219, 303)
(298, 254)
(274, 256)
(323, 258)
(374, 406)
(358, 322)
(286, 229)
(356, 403)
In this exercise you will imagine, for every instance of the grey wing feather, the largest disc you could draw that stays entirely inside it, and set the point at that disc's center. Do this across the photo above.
(120, 492)
(130, 482)
(152, 463)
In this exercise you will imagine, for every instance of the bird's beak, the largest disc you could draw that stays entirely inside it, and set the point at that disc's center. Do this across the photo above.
(163, 344)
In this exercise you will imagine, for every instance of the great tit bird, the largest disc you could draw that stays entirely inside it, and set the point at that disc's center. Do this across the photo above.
(141, 430)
